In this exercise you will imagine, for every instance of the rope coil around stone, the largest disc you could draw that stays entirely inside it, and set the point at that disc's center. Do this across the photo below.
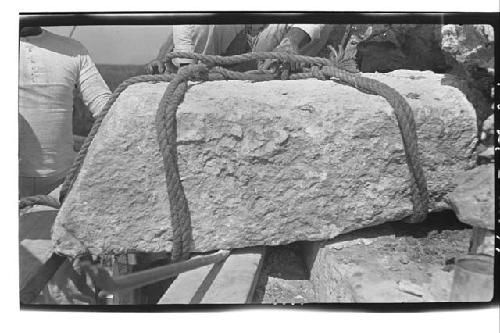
(167, 129)
(402, 110)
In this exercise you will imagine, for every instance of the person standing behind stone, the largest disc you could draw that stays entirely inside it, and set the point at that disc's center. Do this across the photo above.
(51, 67)
(305, 39)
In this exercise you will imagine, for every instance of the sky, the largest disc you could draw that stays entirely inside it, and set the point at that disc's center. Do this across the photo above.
(121, 45)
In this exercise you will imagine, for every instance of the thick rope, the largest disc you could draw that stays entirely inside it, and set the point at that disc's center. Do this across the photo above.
(403, 112)
(212, 60)
(167, 129)
(45, 200)
(408, 129)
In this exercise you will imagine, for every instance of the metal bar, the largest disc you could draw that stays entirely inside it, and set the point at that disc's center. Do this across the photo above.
(108, 284)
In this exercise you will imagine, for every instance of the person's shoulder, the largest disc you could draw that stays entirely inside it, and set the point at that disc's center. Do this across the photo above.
(66, 41)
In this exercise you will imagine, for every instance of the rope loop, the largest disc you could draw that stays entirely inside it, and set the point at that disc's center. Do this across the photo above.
(211, 69)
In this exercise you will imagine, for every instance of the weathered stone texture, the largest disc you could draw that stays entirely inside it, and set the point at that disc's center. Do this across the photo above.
(469, 44)
(473, 200)
(469, 51)
(395, 46)
(263, 163)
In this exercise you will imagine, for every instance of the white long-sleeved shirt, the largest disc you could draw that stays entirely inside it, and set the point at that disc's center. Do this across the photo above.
(51, 67)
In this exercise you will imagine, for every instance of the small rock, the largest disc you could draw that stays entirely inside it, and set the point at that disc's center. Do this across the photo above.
(338, 246)
(404, 260)
(413, 95)
(366, 241)
(410, 288)
(359, 241)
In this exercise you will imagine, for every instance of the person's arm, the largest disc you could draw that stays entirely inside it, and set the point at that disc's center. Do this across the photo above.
(166, 47)
(296, 41)
(183, 42)
(308, 38)
(158, 65)
(296, 37)
(318, 34)
(94, 91)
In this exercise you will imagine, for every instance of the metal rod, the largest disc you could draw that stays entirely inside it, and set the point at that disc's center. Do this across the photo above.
(108, 284)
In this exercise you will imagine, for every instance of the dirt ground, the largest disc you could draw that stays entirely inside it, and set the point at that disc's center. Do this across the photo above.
(393, 262)
(284, 278)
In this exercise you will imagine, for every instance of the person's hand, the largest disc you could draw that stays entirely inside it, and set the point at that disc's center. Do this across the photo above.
(286, 46)
(155, 67)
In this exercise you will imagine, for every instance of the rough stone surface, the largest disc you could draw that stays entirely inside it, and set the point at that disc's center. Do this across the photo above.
(395, 46)
(113, 75)
(469, 51)
(473, 200)
(469, 44)
(402, 263)
(461, 50)
(264, 163)
(404, 46)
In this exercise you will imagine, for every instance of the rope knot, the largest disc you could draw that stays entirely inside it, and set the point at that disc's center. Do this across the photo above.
(198, 72)
(285, 74)
(317, 73)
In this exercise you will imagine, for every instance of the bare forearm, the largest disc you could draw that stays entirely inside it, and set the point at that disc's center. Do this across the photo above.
(165, 48)
(168, 44)
(297, 37)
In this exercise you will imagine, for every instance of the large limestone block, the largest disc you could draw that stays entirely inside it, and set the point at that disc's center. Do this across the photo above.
(263, 163)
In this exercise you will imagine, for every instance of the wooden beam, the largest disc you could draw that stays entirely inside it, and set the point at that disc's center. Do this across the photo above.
(123, 265)
(37, 262)
(40, 278)
(237, 279)
(231, 281)
(185, 287)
